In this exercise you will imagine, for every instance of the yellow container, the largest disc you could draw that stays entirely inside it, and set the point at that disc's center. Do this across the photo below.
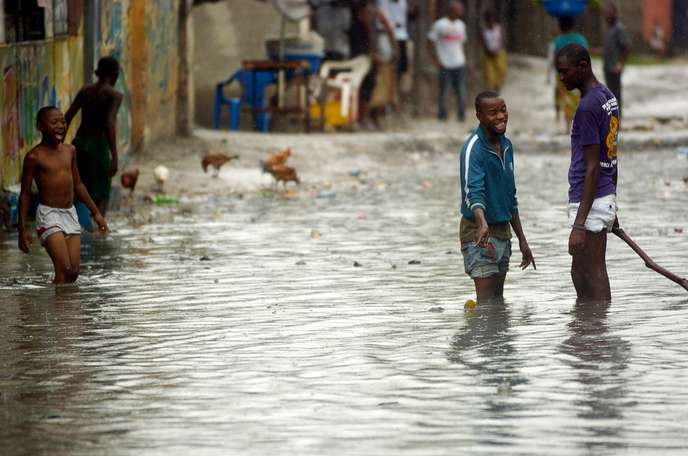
(333, 115)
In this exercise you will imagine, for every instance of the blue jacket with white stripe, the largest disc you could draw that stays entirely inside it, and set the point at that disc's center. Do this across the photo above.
(487, 180)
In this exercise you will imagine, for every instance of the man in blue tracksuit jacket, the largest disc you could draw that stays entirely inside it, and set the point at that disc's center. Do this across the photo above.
(489, 208)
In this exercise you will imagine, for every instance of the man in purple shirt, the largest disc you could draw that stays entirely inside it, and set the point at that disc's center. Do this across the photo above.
(592, 173)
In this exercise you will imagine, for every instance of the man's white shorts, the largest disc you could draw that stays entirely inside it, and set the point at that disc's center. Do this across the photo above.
(601, 216)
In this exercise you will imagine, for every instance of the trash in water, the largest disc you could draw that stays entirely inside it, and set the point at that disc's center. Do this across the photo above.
(414, 262)
(427, 185)
(504, 388)
(161, 200)
(470, 304)
(315, 234)
(204, 258)
(300, 263)
(357, 264)
(436, 309)
(355, 172)
(326, 194)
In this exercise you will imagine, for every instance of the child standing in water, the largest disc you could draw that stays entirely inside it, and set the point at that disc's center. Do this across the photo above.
(52, 165)
(96, 139)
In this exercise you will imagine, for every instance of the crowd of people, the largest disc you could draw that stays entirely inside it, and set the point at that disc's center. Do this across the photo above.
(379, 30)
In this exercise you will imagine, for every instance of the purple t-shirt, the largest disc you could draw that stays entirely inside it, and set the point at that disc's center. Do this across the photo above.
(596, 122)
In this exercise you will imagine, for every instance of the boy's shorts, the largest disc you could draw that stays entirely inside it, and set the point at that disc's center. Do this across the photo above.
(601, 216)
(50, 220)
(484, 262)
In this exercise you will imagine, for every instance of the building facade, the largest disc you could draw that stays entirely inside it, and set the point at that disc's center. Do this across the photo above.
(49, 48)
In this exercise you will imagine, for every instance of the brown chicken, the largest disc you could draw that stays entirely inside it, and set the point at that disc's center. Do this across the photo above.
(284, 174)
(129, 178)
(216, 160)
(277, 158)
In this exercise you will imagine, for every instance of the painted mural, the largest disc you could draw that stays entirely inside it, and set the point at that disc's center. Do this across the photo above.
(143, 36)
(112, 42)
(33, 76)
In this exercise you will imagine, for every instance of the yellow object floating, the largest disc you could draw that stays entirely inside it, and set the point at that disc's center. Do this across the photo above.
(470, 305)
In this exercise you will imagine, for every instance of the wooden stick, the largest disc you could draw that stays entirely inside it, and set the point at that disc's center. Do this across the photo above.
(648, 261)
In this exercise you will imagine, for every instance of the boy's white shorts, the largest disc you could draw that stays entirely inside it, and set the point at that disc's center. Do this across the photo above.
(601, 216)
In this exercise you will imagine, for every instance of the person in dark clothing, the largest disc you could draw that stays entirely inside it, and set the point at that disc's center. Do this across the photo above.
(615, 51)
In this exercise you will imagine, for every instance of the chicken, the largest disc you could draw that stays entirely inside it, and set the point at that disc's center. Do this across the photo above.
(216, 160)
(285, 174)
(129, 178)
(277, 158)
(161, 174)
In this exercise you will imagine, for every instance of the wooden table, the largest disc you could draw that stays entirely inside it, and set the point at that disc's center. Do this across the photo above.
(296, 70)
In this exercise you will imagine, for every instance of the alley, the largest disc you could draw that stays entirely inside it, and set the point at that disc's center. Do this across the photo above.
(329, 319)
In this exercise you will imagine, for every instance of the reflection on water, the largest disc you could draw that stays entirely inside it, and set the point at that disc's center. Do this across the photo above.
(599, 361)
(242, 326)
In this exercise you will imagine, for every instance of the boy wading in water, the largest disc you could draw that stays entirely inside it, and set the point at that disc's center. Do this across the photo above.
(52, 165)
(96, 139)
(592, 173)
(488, 201)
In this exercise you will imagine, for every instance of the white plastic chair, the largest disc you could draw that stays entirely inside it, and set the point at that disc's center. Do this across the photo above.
(348, 80)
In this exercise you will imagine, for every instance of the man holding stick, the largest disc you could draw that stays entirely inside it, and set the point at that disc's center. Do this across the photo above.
(592, 173)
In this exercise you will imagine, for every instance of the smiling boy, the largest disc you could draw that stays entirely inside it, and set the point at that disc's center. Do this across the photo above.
(489, 207)
(52, 165)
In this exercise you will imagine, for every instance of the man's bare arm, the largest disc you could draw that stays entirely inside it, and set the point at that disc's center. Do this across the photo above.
(111, 132)
(73, 109)
(28, 173)
(591, 154)
(522, 242)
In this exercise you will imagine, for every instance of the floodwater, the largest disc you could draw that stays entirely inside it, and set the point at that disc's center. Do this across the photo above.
(275, 343)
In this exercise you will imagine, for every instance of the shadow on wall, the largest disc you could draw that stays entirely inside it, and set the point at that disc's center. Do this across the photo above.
(225, 33)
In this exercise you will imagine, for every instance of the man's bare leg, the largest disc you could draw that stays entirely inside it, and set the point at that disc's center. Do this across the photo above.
(589, 269)
(490, 287)
(74, 247)
(56, 246)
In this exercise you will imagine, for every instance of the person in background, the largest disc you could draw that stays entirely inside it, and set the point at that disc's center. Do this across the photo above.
(332, 20)
(615, 51)
(399, 12)
(385, 93)
(372, 35)
(495, 55)
(96, 138)
(565, 101)
(446, 39)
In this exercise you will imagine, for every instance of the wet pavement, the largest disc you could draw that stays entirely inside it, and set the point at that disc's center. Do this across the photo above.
(302, 323)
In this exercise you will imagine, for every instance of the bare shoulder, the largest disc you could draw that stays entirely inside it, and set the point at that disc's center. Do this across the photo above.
(33, 155)
(68, 150)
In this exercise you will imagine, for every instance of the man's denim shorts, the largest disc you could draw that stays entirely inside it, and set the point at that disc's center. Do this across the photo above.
(484, 262)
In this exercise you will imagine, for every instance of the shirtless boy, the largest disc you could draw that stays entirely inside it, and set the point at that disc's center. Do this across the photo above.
(52, 165)
(96, 139)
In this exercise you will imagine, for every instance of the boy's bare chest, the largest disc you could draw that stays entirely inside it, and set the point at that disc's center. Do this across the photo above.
(55, 162)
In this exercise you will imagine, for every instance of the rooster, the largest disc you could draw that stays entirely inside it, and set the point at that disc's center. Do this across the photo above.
(285, 174)
(129, 179)
(277, 158)
(216, 160)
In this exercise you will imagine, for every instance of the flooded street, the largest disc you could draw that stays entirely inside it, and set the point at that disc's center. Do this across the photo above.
(331, 322)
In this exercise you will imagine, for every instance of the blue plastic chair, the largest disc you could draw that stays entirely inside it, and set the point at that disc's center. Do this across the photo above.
(250, 96)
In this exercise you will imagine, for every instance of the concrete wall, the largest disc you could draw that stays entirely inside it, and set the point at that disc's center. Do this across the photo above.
(142, 35)
(225, 33)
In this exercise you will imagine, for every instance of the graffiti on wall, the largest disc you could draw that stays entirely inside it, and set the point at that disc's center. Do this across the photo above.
(33, 76)
(113, 43)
